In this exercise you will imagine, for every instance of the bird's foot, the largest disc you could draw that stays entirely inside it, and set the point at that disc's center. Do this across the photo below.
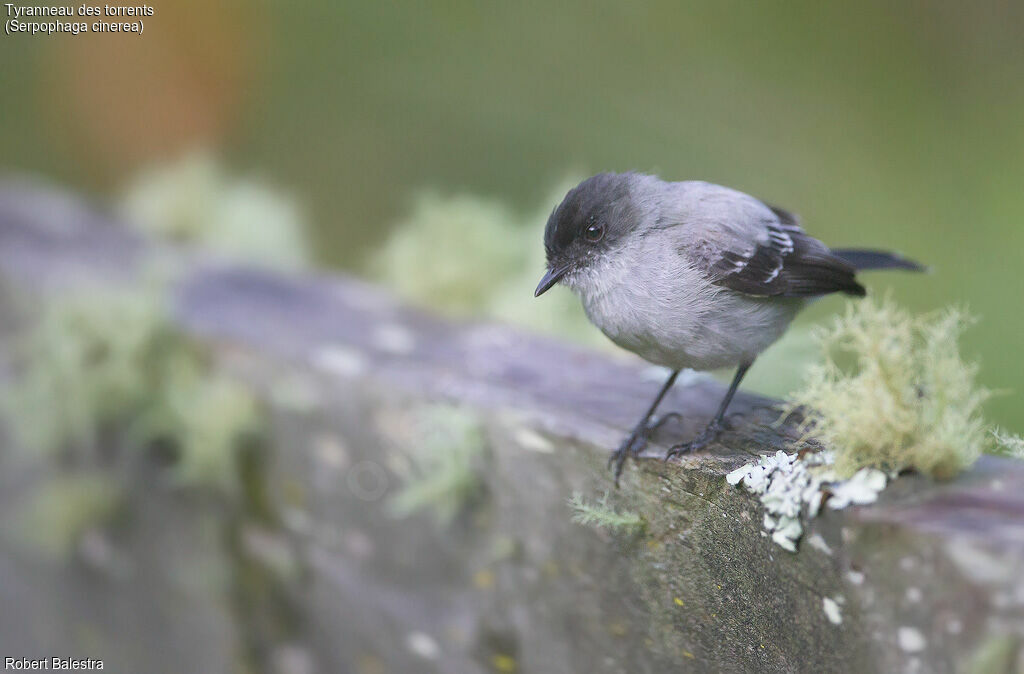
(706, 437)
(636, 442)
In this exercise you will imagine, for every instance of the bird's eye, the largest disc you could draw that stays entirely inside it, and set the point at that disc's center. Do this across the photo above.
(594, 232)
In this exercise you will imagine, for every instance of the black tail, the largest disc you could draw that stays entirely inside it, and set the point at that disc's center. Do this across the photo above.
(875, 259)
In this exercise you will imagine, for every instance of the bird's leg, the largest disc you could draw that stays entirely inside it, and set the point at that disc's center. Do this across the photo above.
(711, 431)
(637, 440)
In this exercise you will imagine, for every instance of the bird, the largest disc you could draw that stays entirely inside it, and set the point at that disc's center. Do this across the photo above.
(691, 274)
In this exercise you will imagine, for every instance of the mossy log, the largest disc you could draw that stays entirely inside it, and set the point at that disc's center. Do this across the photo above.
(319, 574)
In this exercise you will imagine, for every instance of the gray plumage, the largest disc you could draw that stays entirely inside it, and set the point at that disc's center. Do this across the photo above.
(691, 275)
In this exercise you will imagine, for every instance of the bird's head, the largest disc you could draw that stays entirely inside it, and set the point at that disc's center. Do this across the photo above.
(592, 220)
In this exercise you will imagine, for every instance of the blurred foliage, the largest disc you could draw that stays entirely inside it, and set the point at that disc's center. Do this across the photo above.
(474, 256)
(60, 509)
(883, 124)
(782, 367)
(442, 473)
(895, 393)
(84, 363)
(106, 368)
(479, 240)
(193, 200)
(998, 653)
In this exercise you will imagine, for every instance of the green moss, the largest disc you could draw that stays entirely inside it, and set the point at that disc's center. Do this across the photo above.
(106, 369)
(193, 200)
(894, 392)
(602, 516)
(442, 475)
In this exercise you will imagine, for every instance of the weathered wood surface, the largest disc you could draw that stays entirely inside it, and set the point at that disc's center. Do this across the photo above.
(930, 580)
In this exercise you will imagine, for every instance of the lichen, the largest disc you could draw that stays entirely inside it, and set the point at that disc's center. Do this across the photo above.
(488, 259)
(83, 364)
(602, 516)
(479, 239)
(208, 418)
(910, 639)
(792, 488)
(1008, 444)
(54, 516)
(103, 369)
(832, 611)
(894, 393)
(442, 474)
(997, 653)
(195, 200)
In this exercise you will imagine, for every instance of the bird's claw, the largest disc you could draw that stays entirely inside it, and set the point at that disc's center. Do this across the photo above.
(636, 442)
(706, 437)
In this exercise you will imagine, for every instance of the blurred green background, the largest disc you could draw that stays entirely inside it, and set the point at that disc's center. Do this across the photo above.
(886, 124)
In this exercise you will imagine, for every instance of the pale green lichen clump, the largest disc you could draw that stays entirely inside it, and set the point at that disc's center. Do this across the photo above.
(443, 472)
(106, 369)
(602, 516)
(484, 259)
(1007, 444)
(58, 511)
(894, 392)
(449, 251)
(195, 200)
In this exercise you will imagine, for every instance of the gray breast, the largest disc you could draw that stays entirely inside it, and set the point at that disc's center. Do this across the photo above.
(653, 301)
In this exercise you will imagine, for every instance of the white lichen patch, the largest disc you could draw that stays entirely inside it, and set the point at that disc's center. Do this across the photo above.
(330, 451)
(339, 360)
(860, 489)
(529, 439)
(1010, 445)
(818, 542)
(911, 640)
(423, 645)
(394, 338)
(790, 487)
(832, 611)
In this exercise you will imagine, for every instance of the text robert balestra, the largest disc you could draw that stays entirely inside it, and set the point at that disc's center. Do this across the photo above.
(53, 663)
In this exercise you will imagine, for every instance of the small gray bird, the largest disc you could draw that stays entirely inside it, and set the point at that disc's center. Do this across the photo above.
(690, 275)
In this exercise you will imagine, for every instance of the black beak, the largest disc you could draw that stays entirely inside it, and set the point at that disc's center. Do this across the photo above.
(551, 278)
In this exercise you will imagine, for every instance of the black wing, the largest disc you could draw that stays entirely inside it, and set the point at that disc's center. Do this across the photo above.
(784, 262)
